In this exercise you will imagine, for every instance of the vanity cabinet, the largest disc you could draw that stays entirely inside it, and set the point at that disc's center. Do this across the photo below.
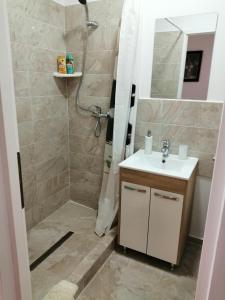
(155, 213)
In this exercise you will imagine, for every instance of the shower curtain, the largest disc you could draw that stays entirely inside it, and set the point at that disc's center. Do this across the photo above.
(109, 197)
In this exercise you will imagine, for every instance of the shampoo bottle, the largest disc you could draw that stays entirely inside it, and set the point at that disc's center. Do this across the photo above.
(148, 143)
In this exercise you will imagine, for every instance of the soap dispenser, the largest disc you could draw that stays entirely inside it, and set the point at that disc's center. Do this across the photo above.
(148, 143)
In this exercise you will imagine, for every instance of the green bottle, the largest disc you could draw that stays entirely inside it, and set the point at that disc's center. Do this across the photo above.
(70, 63)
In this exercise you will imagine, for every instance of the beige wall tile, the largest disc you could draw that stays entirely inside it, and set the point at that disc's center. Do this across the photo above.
(210, 115)
(22, 84)
(49, 107)
(183, 122)
(46, 128)
(25, 131)
(90, 145)
(51, 147)
(181, 112)
(29, 186)
(38, 37)
(85, 194)
(86, 162)
(27, 155)
(97, 85)
(100, 62)
(52, 167)
(23, 109)
(50, 187)
(142, 129)
(150, 111)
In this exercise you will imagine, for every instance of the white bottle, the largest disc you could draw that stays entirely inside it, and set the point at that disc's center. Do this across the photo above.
(148, 143)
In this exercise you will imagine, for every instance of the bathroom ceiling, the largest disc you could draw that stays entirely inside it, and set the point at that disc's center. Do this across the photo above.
(71, 2)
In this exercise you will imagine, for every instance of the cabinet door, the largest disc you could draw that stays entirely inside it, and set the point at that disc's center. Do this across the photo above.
(164, 225)
(134, 215)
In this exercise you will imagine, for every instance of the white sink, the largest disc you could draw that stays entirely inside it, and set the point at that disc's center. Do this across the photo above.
(173, 167)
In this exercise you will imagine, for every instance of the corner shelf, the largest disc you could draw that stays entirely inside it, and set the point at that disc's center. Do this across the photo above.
(74, 75)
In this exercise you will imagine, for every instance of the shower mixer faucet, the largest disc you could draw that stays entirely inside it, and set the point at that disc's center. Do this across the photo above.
(99, 116)
(98, 113)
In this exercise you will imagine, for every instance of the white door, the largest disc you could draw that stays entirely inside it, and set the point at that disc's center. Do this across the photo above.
(14, 264)
(134, 216)
(164, 225)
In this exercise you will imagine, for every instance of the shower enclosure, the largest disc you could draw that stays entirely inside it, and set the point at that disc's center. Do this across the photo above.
(62, 160)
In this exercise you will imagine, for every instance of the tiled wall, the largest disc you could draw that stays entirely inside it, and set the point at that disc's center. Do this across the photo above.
(86, 152)
(167, 64)
(37, 36)
(184, 122)
(56, 142)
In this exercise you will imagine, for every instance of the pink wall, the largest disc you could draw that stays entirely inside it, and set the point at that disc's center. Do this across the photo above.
(199, 90)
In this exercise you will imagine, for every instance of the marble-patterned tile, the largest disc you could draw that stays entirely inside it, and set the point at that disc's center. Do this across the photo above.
(97, 85)
(33, 215)
(52, 185)
(80, 256)
(167, 39)
(27, 156)
(25, 130)
(44, 84)
(52, 167)
(100, 62)
(30, 188)
(107, 12)
(22, 84)
(142, 130)
(47, 128)
(104, 38)
(83, 177)
(49, 107)
(164, 89)
(86, 194)
(181, 112)
(198, 139)
(206, 163)
(165, 71)
(135, 277)
(210, 115)
(48, 148)
(47, 11)
(150, 111)
(42, 282)
(50, 204)
(90, 145)
(20, 57)
(164, 54)
(86, 162)
(42, 60)
(23, 109)
(75, 15)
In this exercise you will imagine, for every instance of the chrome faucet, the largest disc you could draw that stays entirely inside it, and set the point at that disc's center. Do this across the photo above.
(98, 115)
(165, 148)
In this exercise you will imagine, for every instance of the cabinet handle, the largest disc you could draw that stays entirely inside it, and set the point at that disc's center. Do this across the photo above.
(166, 197)
(133, 189)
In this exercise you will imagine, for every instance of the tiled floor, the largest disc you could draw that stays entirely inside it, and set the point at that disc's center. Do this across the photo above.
(133, 276)
(72, 255)
(138, 277)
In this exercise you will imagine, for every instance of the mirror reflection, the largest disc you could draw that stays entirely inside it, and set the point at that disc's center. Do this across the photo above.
(182, 56)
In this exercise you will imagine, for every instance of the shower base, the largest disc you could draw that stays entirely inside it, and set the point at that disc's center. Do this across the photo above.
(75, 258)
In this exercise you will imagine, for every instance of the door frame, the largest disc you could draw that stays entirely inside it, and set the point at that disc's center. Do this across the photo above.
(15, 279)
(210, 285)
(15, 283)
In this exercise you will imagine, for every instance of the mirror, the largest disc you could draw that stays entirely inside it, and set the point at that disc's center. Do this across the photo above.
(182, 56)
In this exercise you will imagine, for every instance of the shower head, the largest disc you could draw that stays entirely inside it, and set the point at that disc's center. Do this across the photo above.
(90, 24)
(84, 2)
